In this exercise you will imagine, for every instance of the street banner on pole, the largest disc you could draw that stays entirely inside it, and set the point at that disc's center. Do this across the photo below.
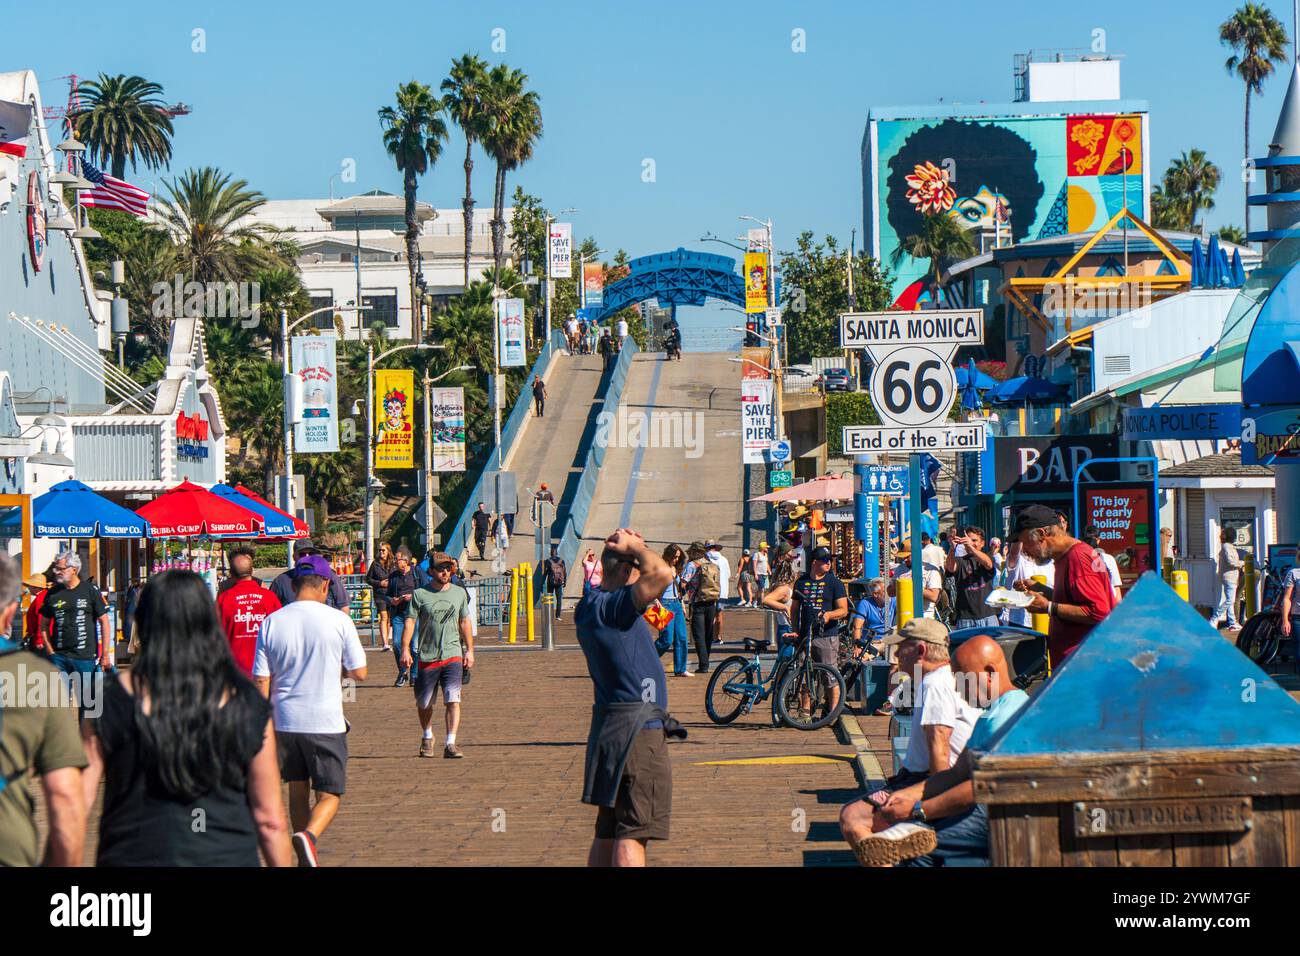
(756, 240)
(755, 282)
(447, 421)
(313, 362)
(593, 283)
(756, 420)
(755, 362)
(561, 250)
(394, 434)
(510, 332)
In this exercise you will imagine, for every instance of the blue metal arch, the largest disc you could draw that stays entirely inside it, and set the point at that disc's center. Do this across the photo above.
(681, 277)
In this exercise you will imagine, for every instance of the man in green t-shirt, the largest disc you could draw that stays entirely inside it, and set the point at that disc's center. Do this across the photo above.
(38, 735)
(444, 652)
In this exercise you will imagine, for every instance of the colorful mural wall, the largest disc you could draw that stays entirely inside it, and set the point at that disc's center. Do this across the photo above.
(1007, 179)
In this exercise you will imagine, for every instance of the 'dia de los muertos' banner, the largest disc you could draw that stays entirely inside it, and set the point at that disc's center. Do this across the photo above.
(394, 413)
(755, 281)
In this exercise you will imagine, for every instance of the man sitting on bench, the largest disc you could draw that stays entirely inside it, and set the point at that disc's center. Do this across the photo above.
(941, 812)
(941, 723)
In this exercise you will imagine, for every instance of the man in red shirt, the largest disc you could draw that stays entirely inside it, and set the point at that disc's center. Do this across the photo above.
(244, 605)
(1081, 596)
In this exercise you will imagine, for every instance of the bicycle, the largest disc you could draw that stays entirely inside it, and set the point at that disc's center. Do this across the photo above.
(1261, 638)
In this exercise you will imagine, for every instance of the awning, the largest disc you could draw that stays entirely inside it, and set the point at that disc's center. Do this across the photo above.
(818, 489)
(189, 509)
(72, 510)
(275, 523)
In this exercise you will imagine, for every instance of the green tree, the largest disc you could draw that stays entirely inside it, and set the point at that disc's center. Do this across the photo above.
(124, 118)
(1168, 211)
(1187, 187)
(202, 212)
(414, 131)
(1258, 41)
(253, 402)
(512, 125)
(464, 90)
(1233, 234)
(942, 240)
(334, 478)
(815, 292)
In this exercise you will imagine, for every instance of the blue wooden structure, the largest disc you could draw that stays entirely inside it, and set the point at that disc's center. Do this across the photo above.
(680, 277)
(1157, 742)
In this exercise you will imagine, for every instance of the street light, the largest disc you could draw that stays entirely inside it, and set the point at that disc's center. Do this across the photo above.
(710, 237)
(428, 452)
(546, 252)
(286, 498)
(371, 481)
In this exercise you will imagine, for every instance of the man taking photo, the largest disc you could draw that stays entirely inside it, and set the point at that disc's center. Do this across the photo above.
(973, 572)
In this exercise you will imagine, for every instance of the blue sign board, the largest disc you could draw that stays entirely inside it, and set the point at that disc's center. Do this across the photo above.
(866, 528)
(885, 480)
(1270, 436)
(1182, 422)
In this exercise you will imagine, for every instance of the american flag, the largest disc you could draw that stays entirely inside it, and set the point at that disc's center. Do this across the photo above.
(110, 193)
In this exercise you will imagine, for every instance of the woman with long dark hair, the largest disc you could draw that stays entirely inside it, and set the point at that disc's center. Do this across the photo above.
(184, 744)
(673, 636)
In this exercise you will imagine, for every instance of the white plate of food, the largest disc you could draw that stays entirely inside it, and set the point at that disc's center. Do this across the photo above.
(1005, 597)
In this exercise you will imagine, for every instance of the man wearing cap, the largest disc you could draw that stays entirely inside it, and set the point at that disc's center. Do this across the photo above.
(941, 720)
(937, 822)
(444, 653)
(1081, 596)
(819, 597)
(282, 586)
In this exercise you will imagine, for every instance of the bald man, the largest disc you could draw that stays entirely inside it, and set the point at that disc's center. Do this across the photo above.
(937, 822)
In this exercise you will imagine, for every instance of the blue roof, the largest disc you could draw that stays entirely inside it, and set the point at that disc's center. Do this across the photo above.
(1153, 676)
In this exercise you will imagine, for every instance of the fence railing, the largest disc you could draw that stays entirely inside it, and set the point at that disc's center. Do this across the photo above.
(459, 539)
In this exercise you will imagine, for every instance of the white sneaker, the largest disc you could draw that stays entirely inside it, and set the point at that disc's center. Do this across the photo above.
(902, 841)
(684, 674)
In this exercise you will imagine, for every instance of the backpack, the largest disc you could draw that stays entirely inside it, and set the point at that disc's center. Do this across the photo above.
(555, 572)
(708, 583)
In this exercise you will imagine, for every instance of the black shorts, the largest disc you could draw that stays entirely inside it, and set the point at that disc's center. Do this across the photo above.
(645, 794)
(320, 758)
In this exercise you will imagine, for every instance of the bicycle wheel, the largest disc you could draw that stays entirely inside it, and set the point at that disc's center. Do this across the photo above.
(723, 705)
(803, 698)
(1260, 638)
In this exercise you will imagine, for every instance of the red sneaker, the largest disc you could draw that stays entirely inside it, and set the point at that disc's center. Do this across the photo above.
(304, 844)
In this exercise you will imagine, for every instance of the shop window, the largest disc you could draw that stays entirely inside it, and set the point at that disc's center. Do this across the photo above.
(383, 308)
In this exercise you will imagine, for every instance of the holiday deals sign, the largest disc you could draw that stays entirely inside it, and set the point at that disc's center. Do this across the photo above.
(1125, 519)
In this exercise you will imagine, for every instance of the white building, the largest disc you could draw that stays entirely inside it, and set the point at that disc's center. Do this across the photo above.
(361, 242)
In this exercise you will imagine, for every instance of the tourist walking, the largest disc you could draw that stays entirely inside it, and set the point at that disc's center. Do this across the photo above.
(81, 639)
(745, 580)
(820, 606)
(401, 589)
(243, 606)
(556, 575)
(627, 773)
(539, 396)
(184, 736)
(482, 521)
(442, 655)
(762, 571)
(591, 572)
(622, 333)
(673, 636)
(606, 349)
(703, 586)
(1228, 565)
(38, 738)
(713, 551)
(302, 651)
(377, 578)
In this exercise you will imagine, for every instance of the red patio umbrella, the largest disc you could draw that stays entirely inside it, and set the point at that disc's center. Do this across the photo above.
(190, 509)
(299, 526)
(825, 488)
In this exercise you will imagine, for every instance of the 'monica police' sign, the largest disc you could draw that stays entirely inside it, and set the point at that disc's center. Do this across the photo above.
(1182, 422)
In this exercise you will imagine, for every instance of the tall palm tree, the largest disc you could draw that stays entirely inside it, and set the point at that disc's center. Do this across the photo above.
(253, 402)
(203, 210)
(513, 121)
(1168, 208)
(414, 132)
(941, 239)
(464, 90)
(1258, 41)
(465, 328)
(1233, 234)
(124, 118)
(333, 477)
(1193, 179)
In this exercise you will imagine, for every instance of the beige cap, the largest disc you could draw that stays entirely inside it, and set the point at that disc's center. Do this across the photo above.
(924, 629)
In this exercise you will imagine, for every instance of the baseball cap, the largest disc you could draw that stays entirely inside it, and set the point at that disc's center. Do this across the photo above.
(746, 551)
(924, 629)
(821, 554)
(313, 564)
(1032, 517)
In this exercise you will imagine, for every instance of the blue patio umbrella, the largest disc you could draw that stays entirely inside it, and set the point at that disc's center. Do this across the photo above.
(1216, 265)
(1024, 389)
(1198, 265)
(1238, 270)
(71, 509)
(274, 523)
(966, 372)
(970, 389)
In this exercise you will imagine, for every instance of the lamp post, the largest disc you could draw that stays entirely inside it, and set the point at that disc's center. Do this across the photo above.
(428, 453)
(547, 252)
(286, 496)
(371, 359)
(776, 375)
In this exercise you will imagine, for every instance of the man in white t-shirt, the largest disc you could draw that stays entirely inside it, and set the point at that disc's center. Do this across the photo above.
(302, 650)
(1020, 567)
(931, 581)
(713, 551)
(622, 332)
(942, 721)
(932, 553)
(571, 333)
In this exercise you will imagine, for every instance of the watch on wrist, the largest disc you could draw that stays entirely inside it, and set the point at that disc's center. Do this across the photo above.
(918, 812)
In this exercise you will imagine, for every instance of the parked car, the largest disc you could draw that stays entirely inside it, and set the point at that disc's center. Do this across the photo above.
(837, 380)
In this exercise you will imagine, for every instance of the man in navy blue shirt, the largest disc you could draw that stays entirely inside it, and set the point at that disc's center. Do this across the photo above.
(634, 792)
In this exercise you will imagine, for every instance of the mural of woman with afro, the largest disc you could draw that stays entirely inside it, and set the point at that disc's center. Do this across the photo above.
(996, 176)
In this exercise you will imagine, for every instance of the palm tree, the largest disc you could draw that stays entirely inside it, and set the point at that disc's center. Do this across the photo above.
(123, 118)
(1188, 187)
(203, 212)
(1258, 41)
(465, 328)
(414, 132)
(464, 90)
(253, 402)
(333, 477)
(941, 239)
(1233, 234)
(513, 124)
(1168, 210)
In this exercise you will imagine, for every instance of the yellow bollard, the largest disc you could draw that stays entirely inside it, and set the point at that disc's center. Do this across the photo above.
(903, 587)
(1180, 586)
(527, 571)
(1041, 622)
(1248, 582)
(514, 604)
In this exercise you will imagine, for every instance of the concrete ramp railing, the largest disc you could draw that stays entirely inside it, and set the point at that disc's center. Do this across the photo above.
(570, 538)
(461, 534)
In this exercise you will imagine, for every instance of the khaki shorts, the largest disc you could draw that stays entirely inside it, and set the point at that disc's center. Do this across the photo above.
(645, 794)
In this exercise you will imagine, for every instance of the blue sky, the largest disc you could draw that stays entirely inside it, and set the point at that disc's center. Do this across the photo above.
(734, 120)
